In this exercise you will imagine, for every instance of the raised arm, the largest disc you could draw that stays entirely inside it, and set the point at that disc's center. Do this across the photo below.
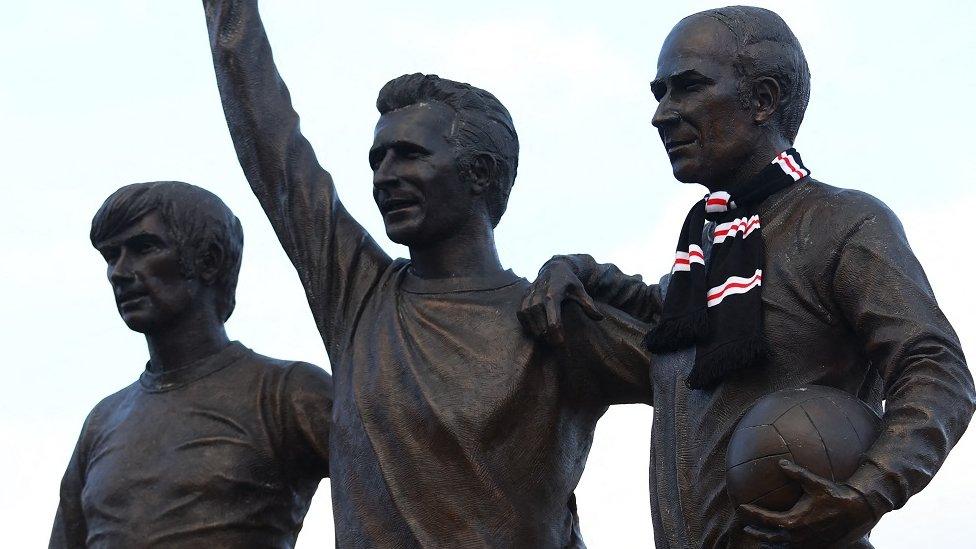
(336, 259)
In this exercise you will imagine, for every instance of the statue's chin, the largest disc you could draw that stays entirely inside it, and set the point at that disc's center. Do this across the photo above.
(137, 323)
(685, 167)
(685, 175)
(405, 236)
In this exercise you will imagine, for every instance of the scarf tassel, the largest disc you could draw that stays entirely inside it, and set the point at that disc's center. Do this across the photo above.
(677, 333)
(727, 359)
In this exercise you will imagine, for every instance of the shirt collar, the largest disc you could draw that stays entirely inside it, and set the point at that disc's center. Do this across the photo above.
(416, 285)
(158, 382)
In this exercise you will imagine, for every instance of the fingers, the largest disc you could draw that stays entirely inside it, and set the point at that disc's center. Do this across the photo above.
(532, 315)
(533, 321)
(764, 517)
(541, 308)
(774, 537)
(524, 314)
(540, 316)
(810, 482)
(580, 296)
(554, 322)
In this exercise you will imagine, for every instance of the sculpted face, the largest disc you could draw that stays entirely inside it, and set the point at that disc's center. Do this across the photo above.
(151, 291)
(416, 183)
(705, 129)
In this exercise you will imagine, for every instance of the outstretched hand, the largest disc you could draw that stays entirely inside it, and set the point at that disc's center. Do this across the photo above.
(828, 514)
(541, 313)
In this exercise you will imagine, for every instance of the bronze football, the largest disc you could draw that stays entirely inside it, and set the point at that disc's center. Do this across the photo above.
(820, 428)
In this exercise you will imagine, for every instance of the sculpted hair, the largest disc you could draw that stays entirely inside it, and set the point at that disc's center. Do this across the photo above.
(768, 48)
(483, 128)
(195, 218)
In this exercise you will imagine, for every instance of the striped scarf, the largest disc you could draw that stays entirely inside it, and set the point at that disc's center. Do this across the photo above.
(718, 309)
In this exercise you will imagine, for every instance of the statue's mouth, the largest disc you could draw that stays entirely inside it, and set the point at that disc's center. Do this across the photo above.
(129, 299)
(676, 144)
(392, 205)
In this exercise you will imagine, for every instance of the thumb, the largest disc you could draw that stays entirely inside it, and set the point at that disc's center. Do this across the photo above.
(810, 482)
(586, 303)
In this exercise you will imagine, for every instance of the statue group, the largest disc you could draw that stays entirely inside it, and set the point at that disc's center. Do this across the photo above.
(463, 399)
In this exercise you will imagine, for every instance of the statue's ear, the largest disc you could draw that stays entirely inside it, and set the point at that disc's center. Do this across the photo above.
(766, 97)
(482, 172)
(209, 263)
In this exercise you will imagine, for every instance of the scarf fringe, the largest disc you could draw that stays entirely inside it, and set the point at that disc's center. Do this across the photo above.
(677, 333)
(732, 357)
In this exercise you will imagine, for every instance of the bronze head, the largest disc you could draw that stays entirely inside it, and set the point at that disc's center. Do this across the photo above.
(172, 249)
(732, 86)
(444, 153)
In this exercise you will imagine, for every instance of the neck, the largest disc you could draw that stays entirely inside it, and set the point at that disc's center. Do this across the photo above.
(185, 342)
(750, 165)
(463, 255)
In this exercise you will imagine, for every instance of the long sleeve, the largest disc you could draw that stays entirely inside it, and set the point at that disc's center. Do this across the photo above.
(70, 530)
(884, 295)
(607, 284)
(336, 259)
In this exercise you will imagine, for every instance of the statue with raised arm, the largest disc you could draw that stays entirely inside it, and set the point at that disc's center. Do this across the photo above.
(451, 427)
(779, 281)
(214, 445)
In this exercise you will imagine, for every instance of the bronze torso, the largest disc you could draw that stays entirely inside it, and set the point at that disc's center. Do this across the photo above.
(225, 453)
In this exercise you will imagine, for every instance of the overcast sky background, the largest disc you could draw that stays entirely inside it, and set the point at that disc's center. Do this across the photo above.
(103, 93)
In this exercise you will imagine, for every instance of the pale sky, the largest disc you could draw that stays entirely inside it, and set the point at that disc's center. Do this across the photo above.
(103, 93)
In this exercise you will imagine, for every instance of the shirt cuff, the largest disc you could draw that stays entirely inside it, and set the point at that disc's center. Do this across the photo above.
(874, 484)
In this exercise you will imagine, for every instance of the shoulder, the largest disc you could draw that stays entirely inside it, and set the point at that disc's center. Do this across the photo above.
(838, 213)
(292, 374)
(309, 377)
(100, 413)
(117, 397)
(845, 204)
(113, 400)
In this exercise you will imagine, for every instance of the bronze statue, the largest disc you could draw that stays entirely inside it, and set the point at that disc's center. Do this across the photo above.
(792, 283)
(214, 445)
(451, 426)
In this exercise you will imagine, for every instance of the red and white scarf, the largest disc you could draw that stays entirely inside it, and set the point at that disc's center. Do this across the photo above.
(718, 307)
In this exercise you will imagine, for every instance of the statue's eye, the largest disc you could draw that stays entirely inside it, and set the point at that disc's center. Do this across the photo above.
(145, 244)
(410, 151)
(146, 247)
